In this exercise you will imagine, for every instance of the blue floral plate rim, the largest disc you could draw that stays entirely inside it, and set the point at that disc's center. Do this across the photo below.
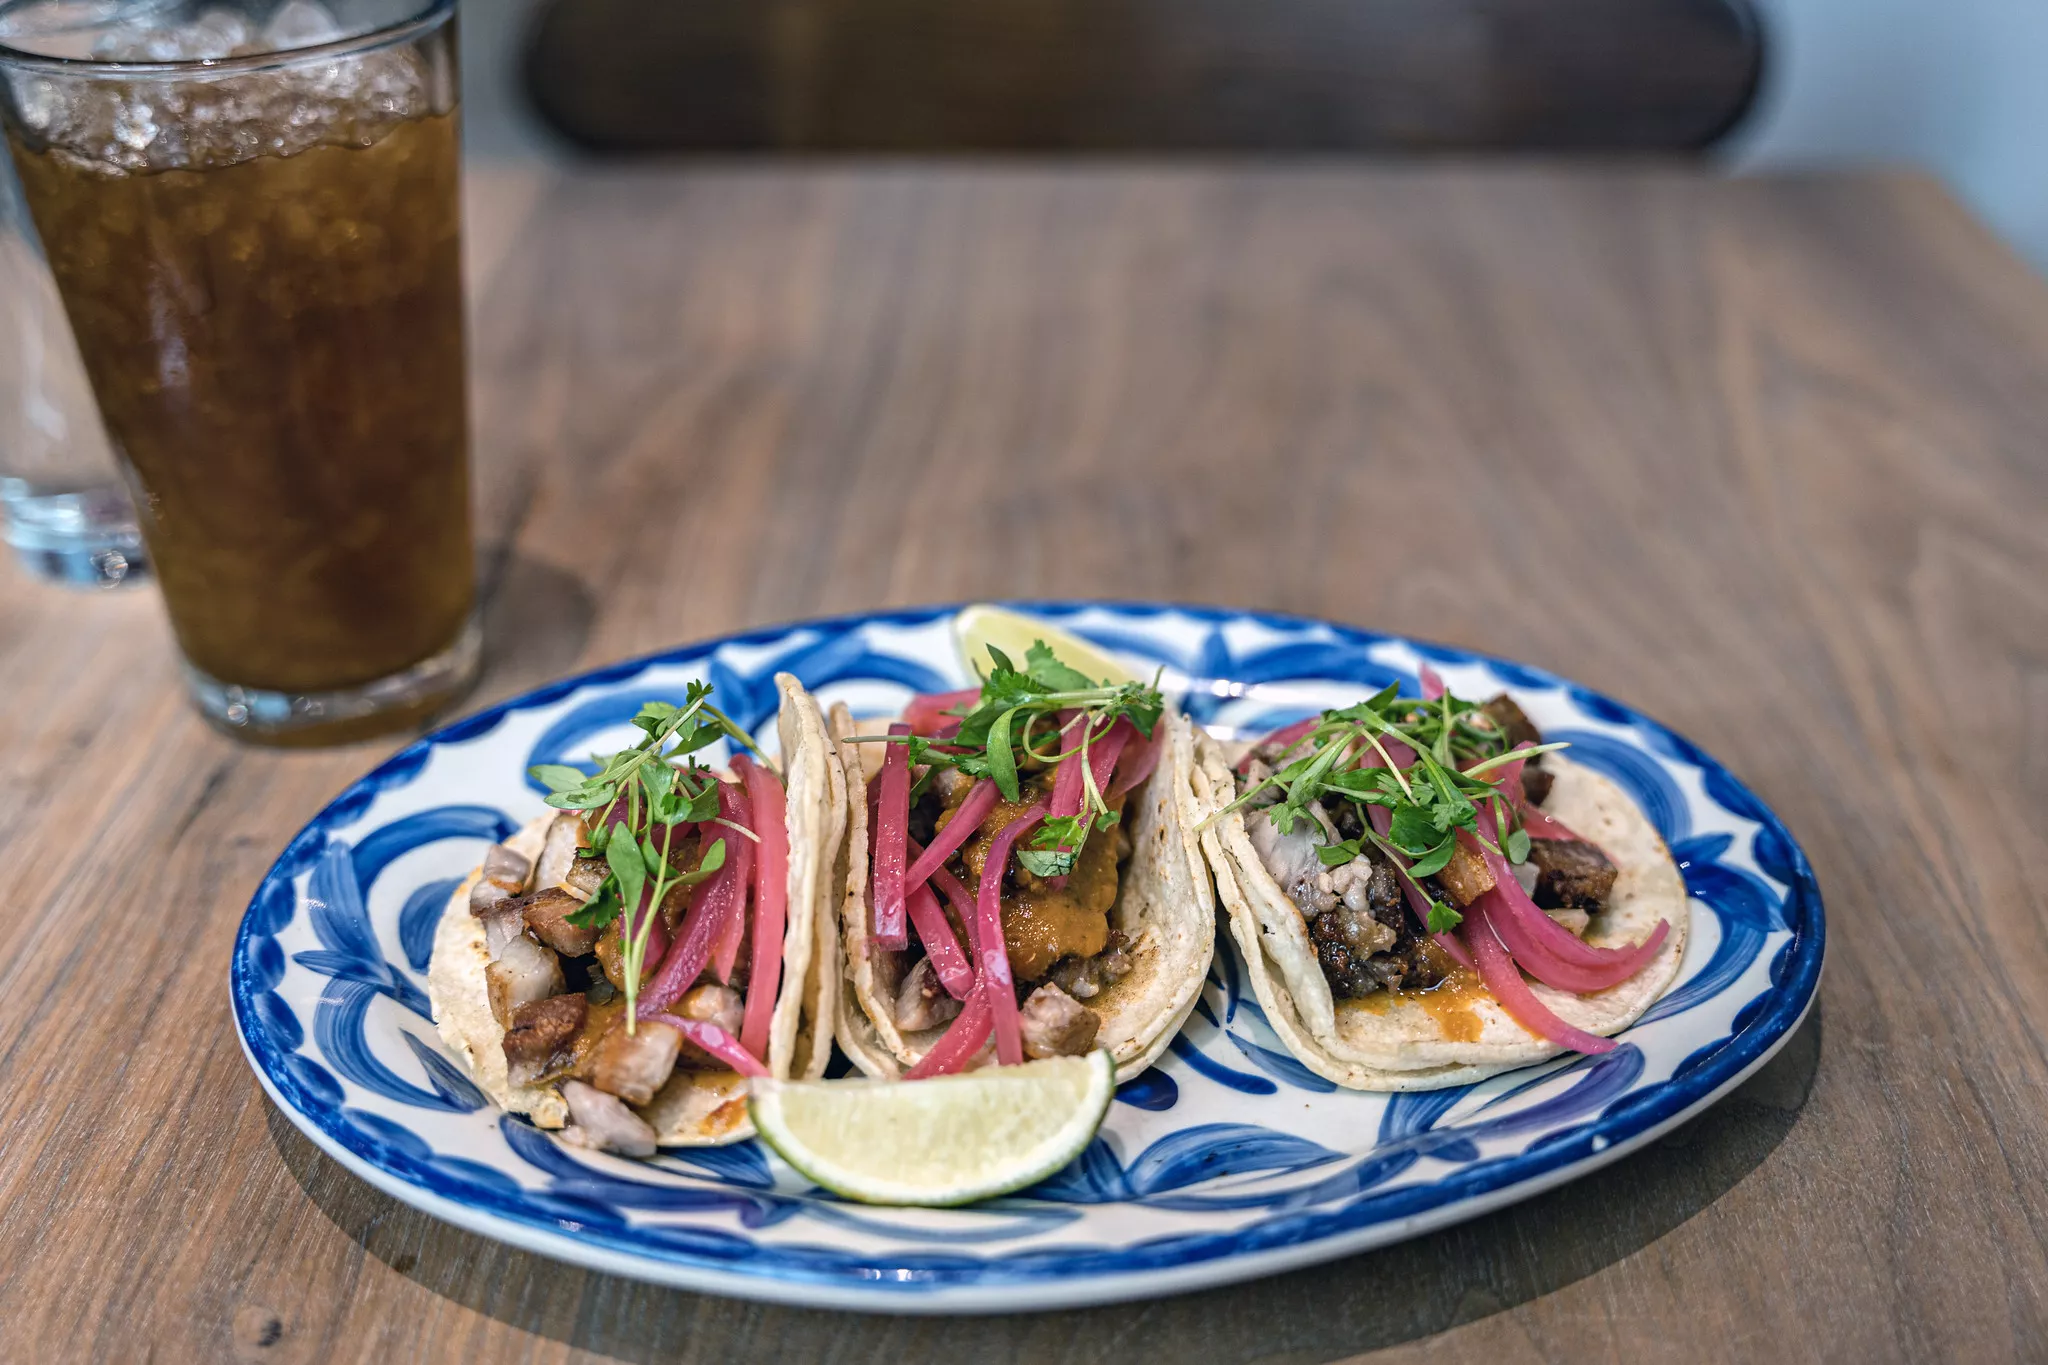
(587, 1216)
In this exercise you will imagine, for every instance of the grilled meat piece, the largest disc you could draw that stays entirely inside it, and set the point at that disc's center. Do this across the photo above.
(505, 869)
(1571, 874)
(1054, 1024)
(1359, 931)
(558, 854)
(1513, 723)
(1517, 728)
(921, 1002)
(502, 924)
(1291, 858)
(1363, 884)
(710, 1003)
(523, 973)
(1466, 877)
(1407, 966)
(603, 1124)
(586, 875)
(635, 1065)
(1084, 978)
(484, 897)
(546, 914)
(540, 1036)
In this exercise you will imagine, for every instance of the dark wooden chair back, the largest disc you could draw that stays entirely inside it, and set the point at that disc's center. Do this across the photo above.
(919, 76)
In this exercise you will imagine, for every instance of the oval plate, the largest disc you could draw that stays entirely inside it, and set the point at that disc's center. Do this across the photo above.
(1227, 1161)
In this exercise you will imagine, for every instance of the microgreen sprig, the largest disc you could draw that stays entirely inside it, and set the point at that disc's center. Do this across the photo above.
(1000, 738)
(659, 795)
(1456, 744)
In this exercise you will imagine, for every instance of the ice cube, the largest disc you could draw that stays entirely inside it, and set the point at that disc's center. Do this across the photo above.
(299, 23)
(136, 126)
(218, 33)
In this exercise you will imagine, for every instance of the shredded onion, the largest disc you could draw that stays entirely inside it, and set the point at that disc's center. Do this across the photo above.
(1066, 783)
(926, 714)
(954, 970)
(963, 906)
(1536, 957)
(771, 903)
(1541, 928)
(715, 1041)
(1140, 757)
(958, 1045)
(733, 804)
(1432, 683)
(1102, 757)
(967, 818)
(1504, 980)
(994, 956)
(705, 922)
(892, 820)
(1284, 737)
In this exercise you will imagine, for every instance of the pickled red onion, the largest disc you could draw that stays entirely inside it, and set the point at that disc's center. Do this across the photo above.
(1104, 751)
(1542, 826)
(948, 963)
(967, 818)
(958, 1044)
(1432, 683)
(715, 1041)
(1284, 737)
(704, 924)
(1066, 783)
(1140, 757)
(1102, 756)
(963, 906)
(771, 903)
(1536, 957)
(733, 805)
(994, 957)
(954, 970)
(1538, 927)
(892, 819)
(926, 714)
(1504, 980)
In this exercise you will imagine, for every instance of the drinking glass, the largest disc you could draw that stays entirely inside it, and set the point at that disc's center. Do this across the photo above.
(62, 506)
(251, 214)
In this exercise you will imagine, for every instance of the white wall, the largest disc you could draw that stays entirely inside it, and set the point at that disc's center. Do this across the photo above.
(1957, 86)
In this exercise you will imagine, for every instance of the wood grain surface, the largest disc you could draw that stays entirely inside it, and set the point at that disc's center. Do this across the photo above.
(1767, 459)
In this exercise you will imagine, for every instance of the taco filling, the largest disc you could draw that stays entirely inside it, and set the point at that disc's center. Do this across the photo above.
(1410, 836)
(1055, 930)
(634, 942)
(999, 915)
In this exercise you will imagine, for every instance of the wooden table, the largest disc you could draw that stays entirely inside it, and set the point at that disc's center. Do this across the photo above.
(1766, 459)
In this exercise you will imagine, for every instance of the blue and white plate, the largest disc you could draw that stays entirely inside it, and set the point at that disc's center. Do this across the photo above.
(1227, 1161)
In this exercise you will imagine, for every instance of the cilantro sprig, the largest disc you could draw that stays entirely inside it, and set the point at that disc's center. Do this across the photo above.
(1346, 756)
(658, 796)
(1015, 727)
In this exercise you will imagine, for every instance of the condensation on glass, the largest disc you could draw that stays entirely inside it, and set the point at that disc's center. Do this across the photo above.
(252, 217)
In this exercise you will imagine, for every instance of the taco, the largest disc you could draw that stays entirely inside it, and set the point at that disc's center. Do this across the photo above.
(619, 968)
(1022, 877)
(1391, 870)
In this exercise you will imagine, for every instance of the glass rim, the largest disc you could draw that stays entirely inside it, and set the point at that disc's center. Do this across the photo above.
(429, 16)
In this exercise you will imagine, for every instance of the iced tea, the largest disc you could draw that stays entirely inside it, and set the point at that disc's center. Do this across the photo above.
(263, 270)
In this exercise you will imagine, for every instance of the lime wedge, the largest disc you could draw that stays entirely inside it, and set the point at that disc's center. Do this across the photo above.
(979, 626)
(948, 1140)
